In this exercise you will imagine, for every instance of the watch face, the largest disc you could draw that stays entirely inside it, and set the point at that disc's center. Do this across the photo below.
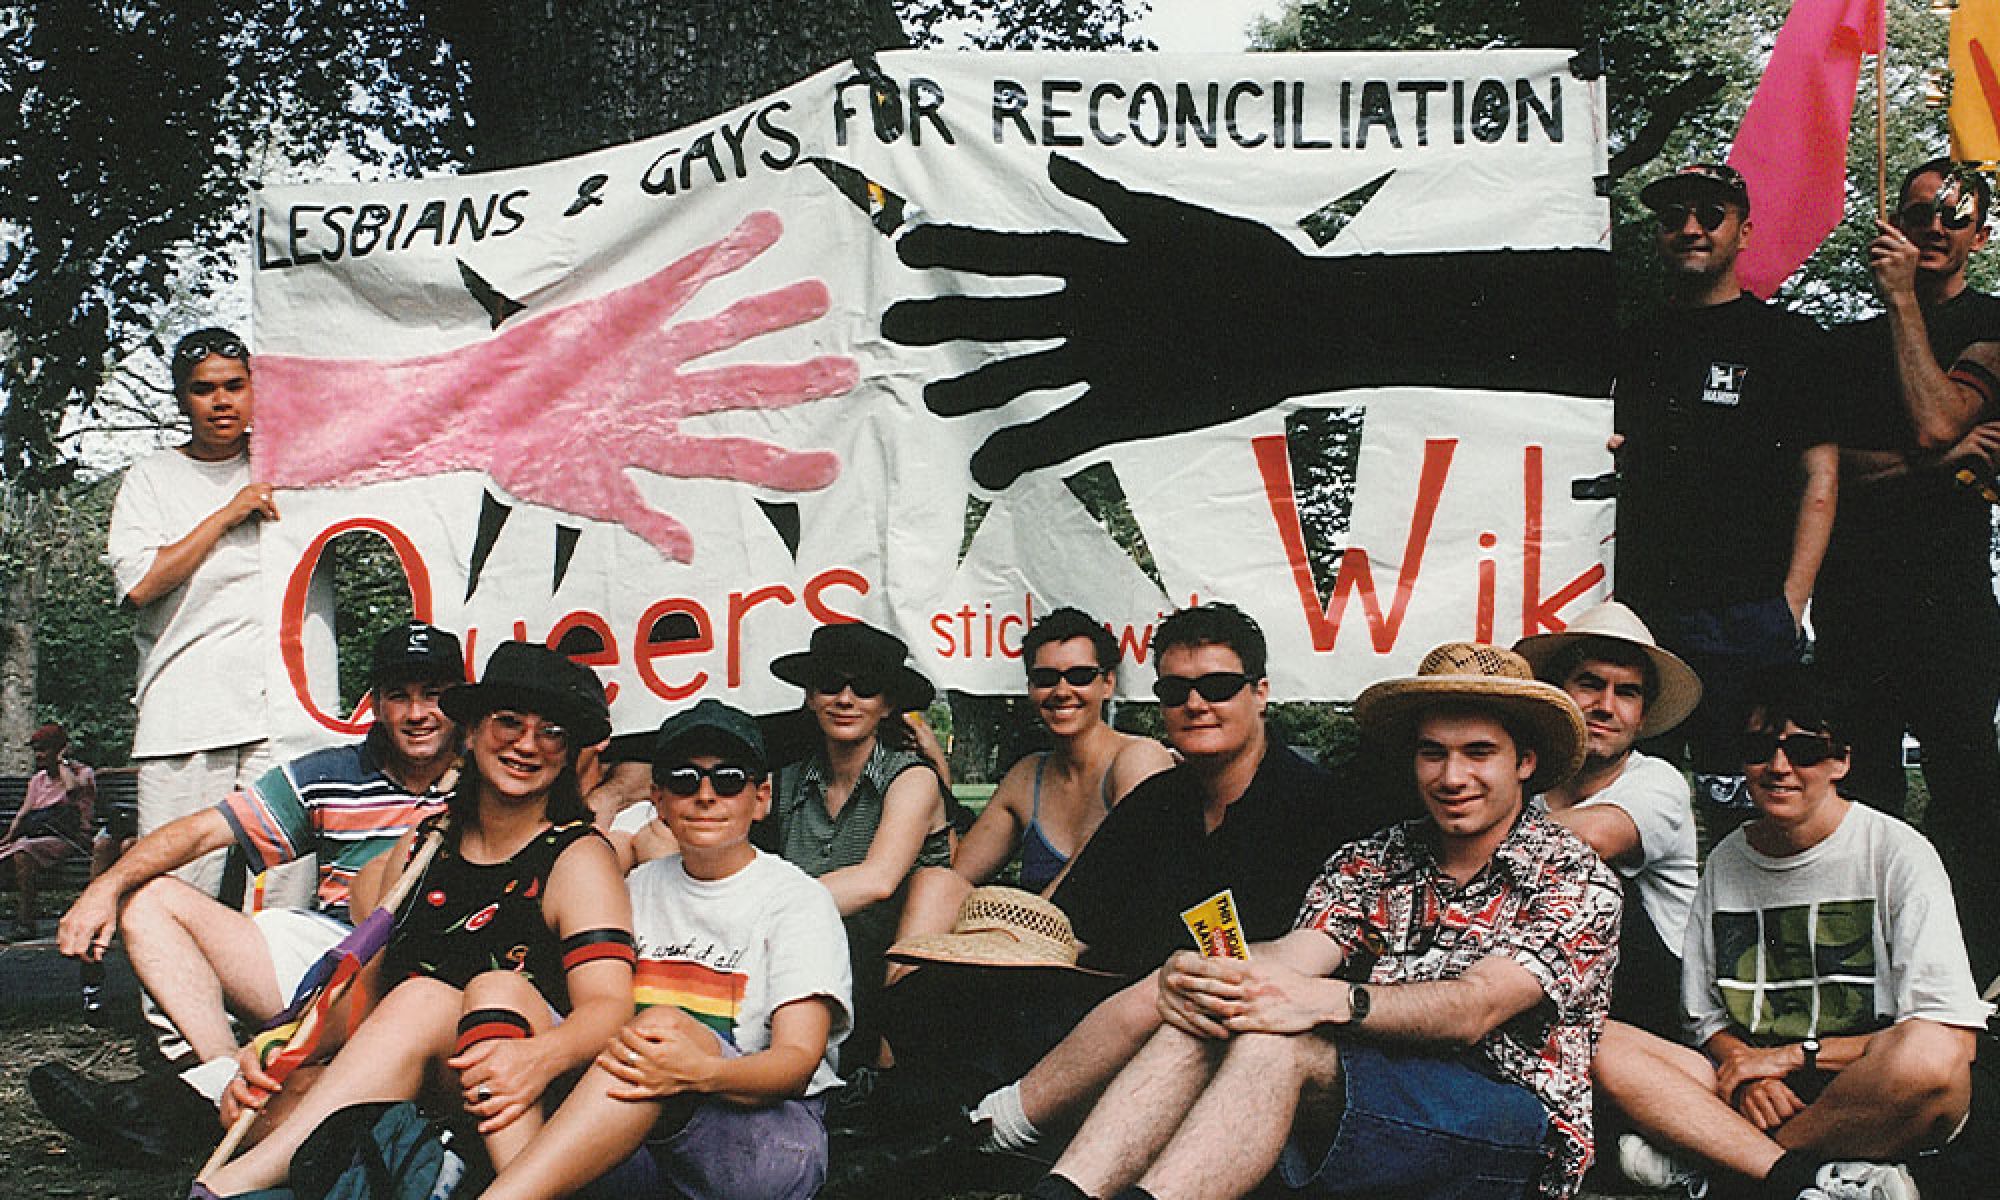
(1357, 1002)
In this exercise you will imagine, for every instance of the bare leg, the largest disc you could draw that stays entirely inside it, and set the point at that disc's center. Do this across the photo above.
(591, 1133)
(930, 906)
(1140, 1110)
(1233, 1135)
(198, 959)
(1669, 1092)
(386, 1059)
(1070, 1077)
(1909, 1090)
(513, 992)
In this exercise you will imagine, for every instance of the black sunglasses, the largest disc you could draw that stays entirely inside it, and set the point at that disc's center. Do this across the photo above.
(1215, 687)
(1077, 676)
(860, 685)
(685, 780)
(1708, 214)
(194, 352)
(1953, 210)
(1801, 749)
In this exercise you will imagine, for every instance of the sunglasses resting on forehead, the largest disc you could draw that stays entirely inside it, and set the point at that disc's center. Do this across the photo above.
(195, 351)
(1801, 749)
(1214, 687)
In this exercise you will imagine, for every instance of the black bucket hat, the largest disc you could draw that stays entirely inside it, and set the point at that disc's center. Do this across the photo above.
(535, 679)
(857, 651)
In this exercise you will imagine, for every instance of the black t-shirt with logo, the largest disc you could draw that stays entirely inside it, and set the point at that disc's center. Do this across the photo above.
(1916, 536)
(1717, 405)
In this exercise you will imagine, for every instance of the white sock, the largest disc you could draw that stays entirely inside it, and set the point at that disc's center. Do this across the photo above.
(211, 1078)
(1008, 1125)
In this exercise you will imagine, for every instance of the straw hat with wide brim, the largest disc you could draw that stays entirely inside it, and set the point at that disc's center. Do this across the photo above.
(857, 651)
(1680, 687)
(999, 927)
(1483, 676)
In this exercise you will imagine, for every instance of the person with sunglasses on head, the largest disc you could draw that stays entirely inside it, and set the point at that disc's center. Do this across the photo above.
(183, 554)
(866, 808)
(716, 1087)
(1727, 469)
(1830, 1008)
(1050, 803)
(511, 962)
(1905, 621)
(205, 963)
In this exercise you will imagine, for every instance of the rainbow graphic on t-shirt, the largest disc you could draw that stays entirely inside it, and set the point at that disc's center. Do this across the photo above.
(710, 996)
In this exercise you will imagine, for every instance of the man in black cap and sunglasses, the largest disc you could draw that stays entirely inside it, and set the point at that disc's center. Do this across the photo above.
(1727, 467)
(1831, 1010)
(1906, 619)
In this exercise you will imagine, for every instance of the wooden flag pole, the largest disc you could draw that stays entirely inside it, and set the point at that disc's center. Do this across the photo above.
(309, 1026)
(1882, 133)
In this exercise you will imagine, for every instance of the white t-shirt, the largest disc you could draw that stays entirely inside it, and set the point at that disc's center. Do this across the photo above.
(730, 952)
(201, 646)
(1849, 936)
(1655, 796)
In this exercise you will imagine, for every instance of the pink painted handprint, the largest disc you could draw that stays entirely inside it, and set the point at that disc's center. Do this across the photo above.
(557, 408)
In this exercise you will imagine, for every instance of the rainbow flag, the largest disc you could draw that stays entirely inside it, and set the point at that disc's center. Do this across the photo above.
(713, 997)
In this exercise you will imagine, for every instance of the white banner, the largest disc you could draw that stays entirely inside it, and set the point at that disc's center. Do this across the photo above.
(942, 341)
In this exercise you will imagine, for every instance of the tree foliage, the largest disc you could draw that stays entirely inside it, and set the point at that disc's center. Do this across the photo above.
(1679, 75)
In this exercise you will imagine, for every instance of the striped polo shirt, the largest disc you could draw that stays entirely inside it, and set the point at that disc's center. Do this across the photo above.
(336, 803)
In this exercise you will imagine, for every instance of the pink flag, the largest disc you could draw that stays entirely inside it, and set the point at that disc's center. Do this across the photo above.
(1792, 146)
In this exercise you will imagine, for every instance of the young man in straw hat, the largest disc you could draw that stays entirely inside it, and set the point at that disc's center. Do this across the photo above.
(1826, 986)
(1429, 1021)
(1631, 808)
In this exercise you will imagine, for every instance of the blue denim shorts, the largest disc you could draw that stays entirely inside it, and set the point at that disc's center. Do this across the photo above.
(1419, 1126)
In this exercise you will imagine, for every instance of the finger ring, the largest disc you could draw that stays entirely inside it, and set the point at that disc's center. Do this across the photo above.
(631, 1059)
(484, 1093)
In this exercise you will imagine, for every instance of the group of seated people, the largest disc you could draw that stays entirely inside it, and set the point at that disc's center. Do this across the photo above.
(1458, 948)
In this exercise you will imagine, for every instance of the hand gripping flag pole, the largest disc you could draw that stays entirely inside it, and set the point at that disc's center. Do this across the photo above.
(294, 1034)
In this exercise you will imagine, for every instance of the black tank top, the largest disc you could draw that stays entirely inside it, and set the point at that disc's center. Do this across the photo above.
(464, 919)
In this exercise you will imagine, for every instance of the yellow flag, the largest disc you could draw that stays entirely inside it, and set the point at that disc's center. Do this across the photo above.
(1975, 81)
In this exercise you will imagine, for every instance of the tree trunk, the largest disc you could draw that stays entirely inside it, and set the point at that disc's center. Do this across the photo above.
(551, 78)
(18, 596)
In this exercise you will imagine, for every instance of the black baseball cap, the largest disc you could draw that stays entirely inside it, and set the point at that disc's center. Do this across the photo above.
(416, 650)
(1698, 181)
(712, 726)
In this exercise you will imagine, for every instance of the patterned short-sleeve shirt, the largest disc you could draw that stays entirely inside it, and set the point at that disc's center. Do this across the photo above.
(1545, 902)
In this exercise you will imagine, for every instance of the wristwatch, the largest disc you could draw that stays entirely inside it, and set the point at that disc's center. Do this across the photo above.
(1811, 1047)
(1357, 1004)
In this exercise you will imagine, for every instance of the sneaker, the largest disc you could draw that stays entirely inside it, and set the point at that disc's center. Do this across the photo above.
(1861, 1181)
(153, 1120)
(1651, 1167)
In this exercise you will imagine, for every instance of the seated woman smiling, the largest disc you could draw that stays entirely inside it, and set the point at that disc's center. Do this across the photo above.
(512, 961)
